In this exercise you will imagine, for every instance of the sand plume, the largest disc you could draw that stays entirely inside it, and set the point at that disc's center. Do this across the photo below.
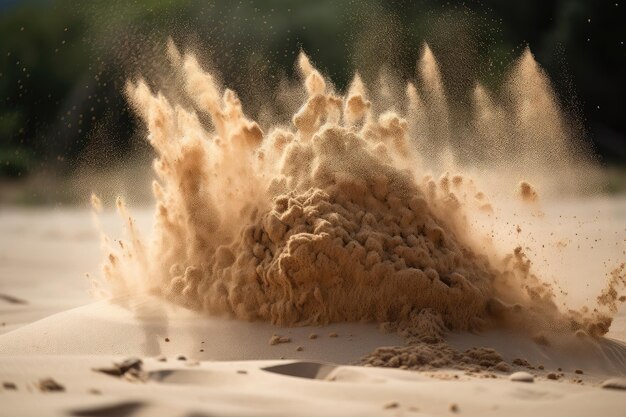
(335, 218)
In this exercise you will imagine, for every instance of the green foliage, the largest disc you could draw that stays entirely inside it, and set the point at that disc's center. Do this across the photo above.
(63, 64)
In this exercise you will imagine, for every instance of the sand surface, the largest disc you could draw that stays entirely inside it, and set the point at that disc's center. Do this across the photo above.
(50, 327)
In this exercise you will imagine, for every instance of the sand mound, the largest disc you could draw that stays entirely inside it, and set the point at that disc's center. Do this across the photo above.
(329, 220)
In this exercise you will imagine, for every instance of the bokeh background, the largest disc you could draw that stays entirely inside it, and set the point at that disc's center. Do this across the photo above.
(65, 126)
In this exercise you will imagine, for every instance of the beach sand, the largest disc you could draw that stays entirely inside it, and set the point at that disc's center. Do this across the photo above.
(199, 365)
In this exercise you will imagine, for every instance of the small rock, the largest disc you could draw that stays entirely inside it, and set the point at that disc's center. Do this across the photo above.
(552, 375)
(167, 339)
(94, 391)
(181, 358)
(49, 385)
(299, 348)
(333, 334)
(161, 358)
(615, 383)
(521, 377)
(454, 408)
(242, 371)
(313, 336)
(579, 371)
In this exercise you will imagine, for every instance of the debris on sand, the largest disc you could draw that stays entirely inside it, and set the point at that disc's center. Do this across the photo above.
(130, 369)
(119, 369)
(49, 385)
(521, 362)
(615, 383)
(391, 405)
(276, 339)
(9, 386)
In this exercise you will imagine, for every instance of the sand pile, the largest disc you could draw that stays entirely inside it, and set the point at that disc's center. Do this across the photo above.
(333, 218)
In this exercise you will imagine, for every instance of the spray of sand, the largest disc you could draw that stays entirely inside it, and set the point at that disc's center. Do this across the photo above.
(348, 214)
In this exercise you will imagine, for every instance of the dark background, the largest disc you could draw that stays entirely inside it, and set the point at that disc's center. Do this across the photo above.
(63, 64)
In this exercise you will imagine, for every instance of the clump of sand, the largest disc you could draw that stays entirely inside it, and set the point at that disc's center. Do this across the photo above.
(330, 219)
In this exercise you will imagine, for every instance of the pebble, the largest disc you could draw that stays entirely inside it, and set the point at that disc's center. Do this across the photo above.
(521, 377)
(615, 383)
(552, 375)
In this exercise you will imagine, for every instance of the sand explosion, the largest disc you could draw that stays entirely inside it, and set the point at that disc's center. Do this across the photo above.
(334, 218)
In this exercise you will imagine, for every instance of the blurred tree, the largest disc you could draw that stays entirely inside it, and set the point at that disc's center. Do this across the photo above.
(64, 63)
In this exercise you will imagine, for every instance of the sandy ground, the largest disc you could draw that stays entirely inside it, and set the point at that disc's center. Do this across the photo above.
(194, 365)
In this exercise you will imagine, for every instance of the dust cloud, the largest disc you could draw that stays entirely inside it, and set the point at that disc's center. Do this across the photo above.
(355, 212)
